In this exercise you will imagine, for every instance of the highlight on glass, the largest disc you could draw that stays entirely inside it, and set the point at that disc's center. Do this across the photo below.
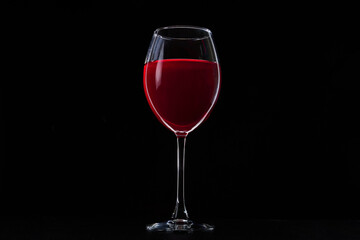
(181, 84)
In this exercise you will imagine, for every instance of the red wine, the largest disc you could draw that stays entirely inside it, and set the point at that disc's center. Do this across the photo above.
(181, 92)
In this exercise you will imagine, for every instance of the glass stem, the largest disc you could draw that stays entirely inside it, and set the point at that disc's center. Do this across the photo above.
(180, 209)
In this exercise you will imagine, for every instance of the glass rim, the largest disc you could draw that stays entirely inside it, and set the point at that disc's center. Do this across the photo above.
(157, 32)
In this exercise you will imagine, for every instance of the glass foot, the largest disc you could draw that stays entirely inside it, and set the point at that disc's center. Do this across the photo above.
(179, 225)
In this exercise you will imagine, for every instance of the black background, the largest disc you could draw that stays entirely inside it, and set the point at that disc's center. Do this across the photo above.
(80, 139)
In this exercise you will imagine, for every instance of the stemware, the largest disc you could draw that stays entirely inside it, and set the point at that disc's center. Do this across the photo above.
(181, 83)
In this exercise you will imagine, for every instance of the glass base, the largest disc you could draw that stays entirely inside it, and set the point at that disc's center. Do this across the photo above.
(179, 225)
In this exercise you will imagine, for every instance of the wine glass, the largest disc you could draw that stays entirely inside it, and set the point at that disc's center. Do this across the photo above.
(181, 83)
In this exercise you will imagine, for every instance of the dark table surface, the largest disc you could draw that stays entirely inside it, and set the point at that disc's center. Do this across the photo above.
(46, 227)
